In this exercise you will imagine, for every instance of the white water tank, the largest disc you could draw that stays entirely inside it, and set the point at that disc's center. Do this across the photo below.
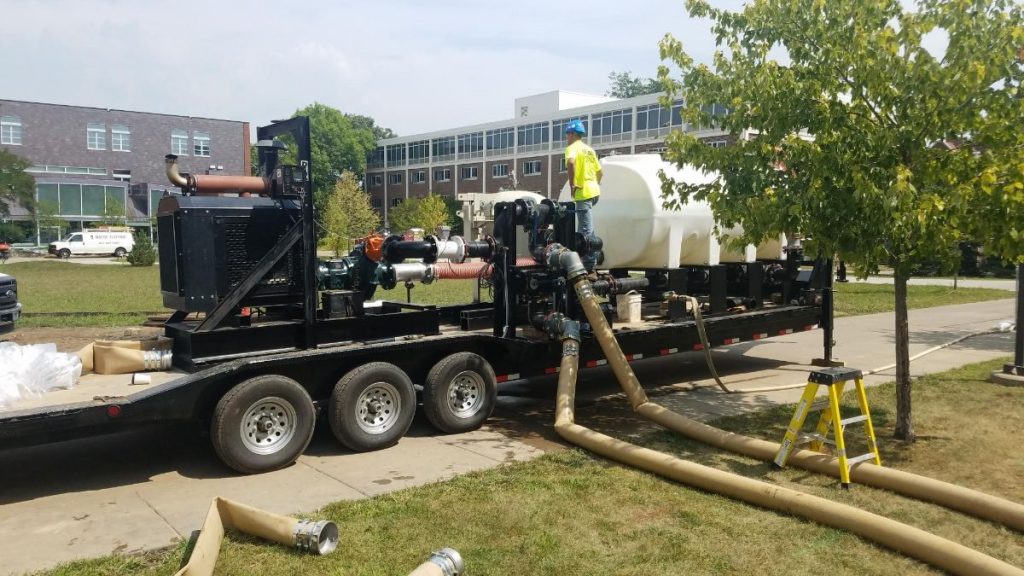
(639, 233)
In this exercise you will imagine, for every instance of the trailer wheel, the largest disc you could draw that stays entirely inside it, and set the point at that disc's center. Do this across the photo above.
(263, 424)
(372, 406)
(459, 393)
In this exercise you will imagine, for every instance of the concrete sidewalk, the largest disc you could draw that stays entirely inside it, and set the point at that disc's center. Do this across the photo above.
(138, 491)
(994, 283)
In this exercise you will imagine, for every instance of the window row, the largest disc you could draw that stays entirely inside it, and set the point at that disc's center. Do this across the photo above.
(120, 138)
(82, 199)
(528, 168)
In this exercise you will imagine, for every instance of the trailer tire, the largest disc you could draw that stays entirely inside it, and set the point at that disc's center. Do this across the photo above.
(460, 392)
(372, 407)
(263, 424)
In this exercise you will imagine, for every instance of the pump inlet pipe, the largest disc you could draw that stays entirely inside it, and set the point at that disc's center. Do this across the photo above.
(313, 536)
(213, 184)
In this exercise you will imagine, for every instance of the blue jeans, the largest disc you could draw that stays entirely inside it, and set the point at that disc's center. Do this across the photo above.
(585, 226)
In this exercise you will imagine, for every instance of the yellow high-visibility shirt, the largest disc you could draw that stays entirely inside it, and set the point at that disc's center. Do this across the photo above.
(587, 167)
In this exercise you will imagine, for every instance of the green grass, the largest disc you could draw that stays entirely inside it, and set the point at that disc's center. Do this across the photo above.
(570, 513)
(853, 299)
(56, 294)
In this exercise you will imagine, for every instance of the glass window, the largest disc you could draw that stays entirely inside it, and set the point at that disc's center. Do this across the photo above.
(419, 177)
(376, 158)
(10, 130)
(179, 142)
(96, 137)
(443, 149)
(419, 152)
(531, 168)
(471, 145)
(396, 201)
(396, 155)
(470, 172)
(48, 193)
(395, 178)
(376, 179)
(71, 199)
(120, 138)
(499, 171)
(92, 200)
(562, 168)
(154, 200)
(201, 143)
(377, 203)
(534, 137)
(442, 175)
(613, 126)
(501, 141)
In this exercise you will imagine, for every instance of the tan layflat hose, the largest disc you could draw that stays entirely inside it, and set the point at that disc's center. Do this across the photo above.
(444, 562)
(914, 542)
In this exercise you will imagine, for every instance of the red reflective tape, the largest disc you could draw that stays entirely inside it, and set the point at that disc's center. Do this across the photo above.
(786, 331)
(552, 370)
(731, 340)
(592, 363)
(502, 378)
(667, 351)
(761, 335)
(698, 346)
(810, 327)
(631, 357)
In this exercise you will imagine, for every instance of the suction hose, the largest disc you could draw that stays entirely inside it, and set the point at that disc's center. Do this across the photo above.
(965, 500)
(914, 542)
(316, 537)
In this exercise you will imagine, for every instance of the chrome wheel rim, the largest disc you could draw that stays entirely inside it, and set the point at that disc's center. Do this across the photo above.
(268, 425)
(466, 394)
(378, 407)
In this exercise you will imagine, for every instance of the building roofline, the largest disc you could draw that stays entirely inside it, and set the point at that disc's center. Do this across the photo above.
(512, 122)
(120, 110)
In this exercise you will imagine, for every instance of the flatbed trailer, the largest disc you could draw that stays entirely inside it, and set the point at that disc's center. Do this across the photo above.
(258, 361)
(110, 403)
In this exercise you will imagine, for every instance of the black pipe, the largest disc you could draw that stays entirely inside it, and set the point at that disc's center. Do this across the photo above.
(613, 286)
(1018, 356)
(396, 250)
(479, 249)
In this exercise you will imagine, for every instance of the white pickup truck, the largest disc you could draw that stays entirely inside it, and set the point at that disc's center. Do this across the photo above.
(10, 309)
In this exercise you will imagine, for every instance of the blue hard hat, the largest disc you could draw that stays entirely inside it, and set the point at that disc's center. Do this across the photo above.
(577, 127)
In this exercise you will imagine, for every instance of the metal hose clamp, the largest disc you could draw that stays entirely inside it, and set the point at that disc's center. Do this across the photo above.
(316, 536)
(449, 560)
(156, 359)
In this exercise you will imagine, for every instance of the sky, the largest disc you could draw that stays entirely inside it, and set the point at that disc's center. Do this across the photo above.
(413, 65)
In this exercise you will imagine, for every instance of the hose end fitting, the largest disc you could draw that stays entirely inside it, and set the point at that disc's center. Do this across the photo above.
(560, 327)
(448, 560)
(316, 536)
(560, 258)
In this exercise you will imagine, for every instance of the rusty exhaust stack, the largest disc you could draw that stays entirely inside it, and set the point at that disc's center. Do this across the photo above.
(206, 184)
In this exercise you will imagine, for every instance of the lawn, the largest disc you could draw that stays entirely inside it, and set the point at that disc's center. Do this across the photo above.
(570, 513)
(56, 294)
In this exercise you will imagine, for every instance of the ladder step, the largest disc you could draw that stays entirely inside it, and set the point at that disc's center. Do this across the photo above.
(808, 438)
(861, 458)
(853, 419)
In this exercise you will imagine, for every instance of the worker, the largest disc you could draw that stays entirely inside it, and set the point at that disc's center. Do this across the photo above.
(584, 180)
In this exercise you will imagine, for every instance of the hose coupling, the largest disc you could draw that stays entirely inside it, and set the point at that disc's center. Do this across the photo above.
(156, 360)
(316, 536)
(561, 259)
(570, 347)
(560, 327)
(448, 560)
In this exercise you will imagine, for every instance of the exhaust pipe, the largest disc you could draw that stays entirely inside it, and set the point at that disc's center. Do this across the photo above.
(914, 542)
(207, 184)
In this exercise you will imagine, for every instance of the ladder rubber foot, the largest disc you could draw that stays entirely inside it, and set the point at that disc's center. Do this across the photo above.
(844, 485)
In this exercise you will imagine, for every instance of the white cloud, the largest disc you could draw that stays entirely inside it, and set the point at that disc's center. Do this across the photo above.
(414, 66)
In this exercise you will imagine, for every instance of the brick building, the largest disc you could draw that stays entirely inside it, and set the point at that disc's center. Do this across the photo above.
(91, 161)
(525, 151)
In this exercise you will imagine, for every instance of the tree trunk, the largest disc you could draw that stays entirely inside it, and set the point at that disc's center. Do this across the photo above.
(904, 427)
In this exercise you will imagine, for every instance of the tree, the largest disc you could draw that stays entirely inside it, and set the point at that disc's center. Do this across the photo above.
(625, 85)
(347, 214)
(335, 146)
(848, 108)
(143, 253)
(47, 217)
(360, 122)
(16, 186)
(428, 213)
(113, 213)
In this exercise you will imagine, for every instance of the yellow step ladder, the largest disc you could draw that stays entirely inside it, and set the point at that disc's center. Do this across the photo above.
(835, 378)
